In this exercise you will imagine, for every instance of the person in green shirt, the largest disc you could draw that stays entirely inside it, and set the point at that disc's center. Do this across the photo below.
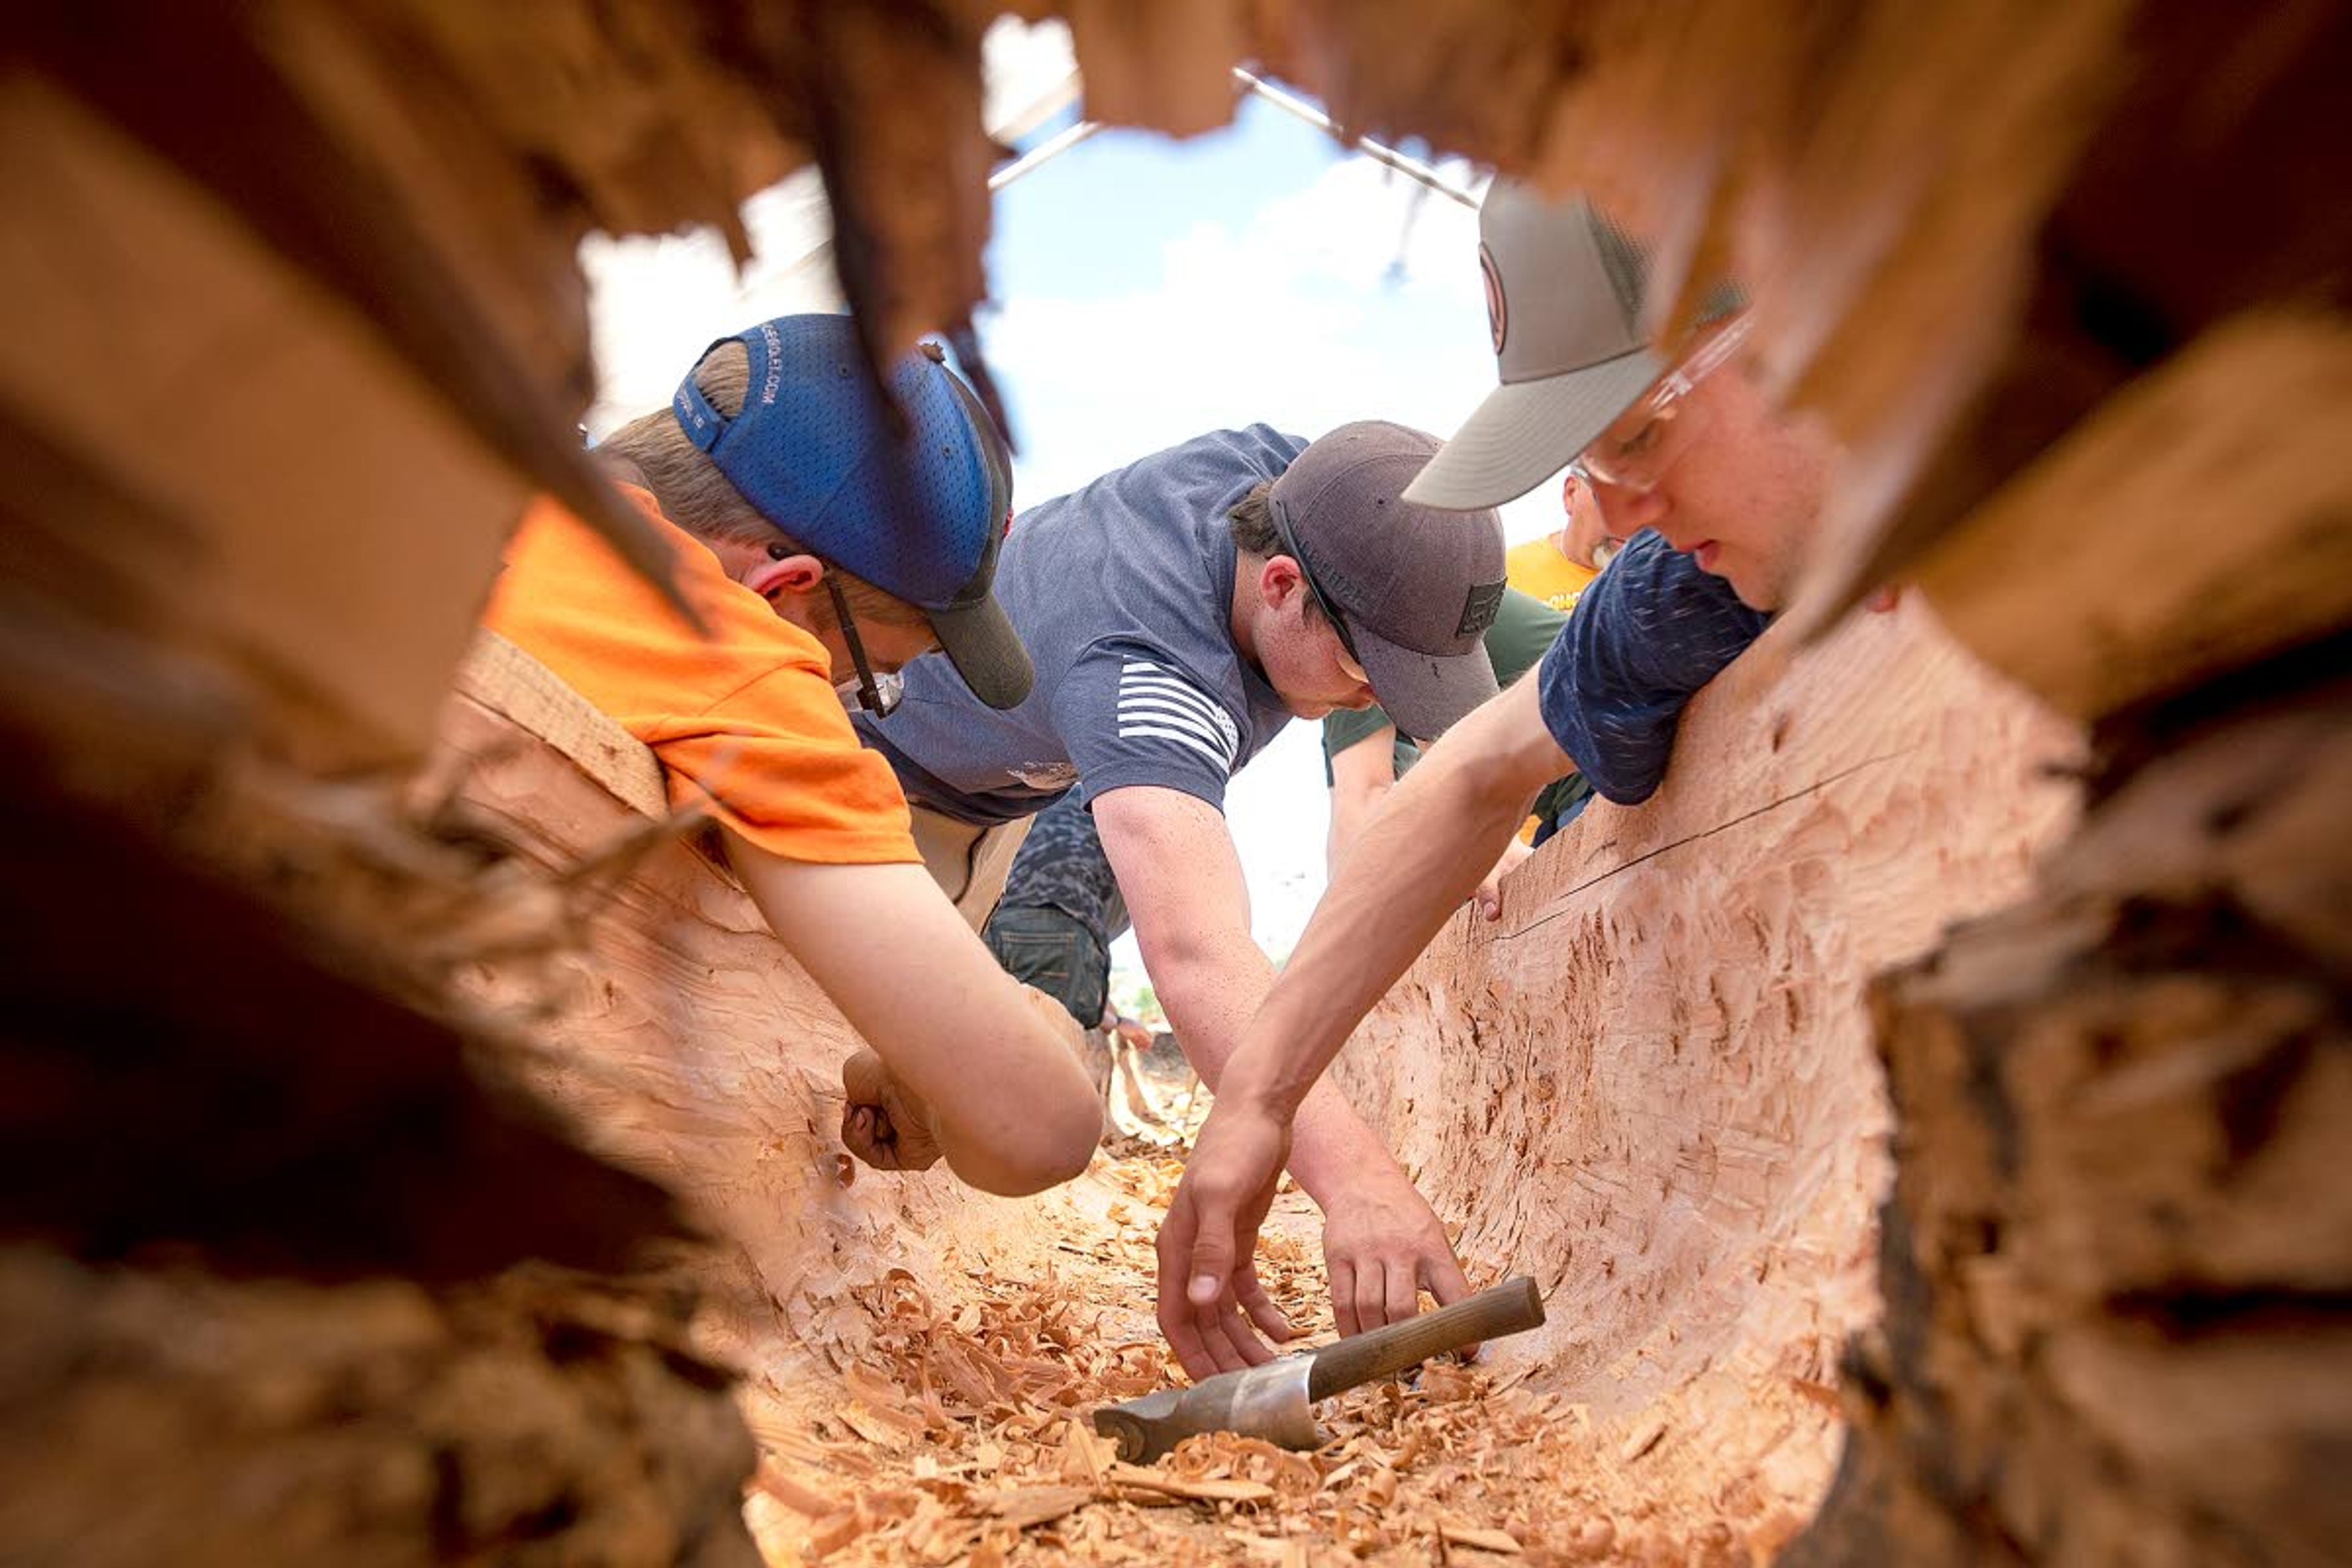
(1364, 754)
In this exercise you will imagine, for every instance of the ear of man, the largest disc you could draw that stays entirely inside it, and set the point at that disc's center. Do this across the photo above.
(1286, 580)
(787, 574)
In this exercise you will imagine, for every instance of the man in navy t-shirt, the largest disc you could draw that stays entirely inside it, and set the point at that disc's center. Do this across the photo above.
(1178, 612)
(1720, 492)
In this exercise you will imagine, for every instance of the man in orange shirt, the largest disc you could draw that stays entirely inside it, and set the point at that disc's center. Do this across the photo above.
(1559, 566)
(822, 551)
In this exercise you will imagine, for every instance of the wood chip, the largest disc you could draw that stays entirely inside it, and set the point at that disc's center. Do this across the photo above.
(874, 1427)
(833, 1533)
(1207, 1489)
(1645, 1438)
(777, 1483)
(959, 1438)
(1024, 1508)
(1086, 1457)
(1484, 1540)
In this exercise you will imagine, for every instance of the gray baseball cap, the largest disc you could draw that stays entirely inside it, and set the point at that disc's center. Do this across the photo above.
(1564, 308)
(1413, 587)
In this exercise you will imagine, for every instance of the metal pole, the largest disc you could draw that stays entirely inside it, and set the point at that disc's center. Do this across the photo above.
(1053, 147)
(1411, 168)
(1289, 103)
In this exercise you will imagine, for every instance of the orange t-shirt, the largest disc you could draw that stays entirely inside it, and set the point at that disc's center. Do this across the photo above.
(749, 713)
(1536, 567)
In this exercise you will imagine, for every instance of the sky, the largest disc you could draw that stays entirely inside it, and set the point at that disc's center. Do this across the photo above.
(1147, 290)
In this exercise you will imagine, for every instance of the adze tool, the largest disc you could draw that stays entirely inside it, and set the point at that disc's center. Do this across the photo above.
(1276, 1400)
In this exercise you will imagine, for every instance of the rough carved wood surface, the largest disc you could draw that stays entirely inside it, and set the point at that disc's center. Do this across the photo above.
(1962, 223)
(690, 1045)
(1652, 1085)
(2121, 1240)
(250, 435)
(2220, 479)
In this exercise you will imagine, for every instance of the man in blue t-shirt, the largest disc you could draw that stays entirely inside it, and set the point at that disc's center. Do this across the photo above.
(1720, 492)
(1178, 612)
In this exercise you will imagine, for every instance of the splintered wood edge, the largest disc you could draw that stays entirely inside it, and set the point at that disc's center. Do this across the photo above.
(508, 681)
(2230, 428)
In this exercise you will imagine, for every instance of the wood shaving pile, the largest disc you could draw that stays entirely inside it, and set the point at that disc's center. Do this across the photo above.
(959, 1435)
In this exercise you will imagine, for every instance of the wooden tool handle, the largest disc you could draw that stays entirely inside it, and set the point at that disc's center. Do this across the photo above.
(1509, 1307)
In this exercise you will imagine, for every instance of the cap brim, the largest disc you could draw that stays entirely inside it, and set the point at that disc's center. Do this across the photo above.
(1423, 693)
(1528, 431)
(980, 641)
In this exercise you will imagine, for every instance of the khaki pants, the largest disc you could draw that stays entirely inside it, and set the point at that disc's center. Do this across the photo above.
(968, 862)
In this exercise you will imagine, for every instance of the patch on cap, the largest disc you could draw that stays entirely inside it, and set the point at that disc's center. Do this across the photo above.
(1478, 607)
(1498, 315)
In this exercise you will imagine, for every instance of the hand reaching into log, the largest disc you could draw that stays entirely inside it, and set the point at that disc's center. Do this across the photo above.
(1489, 896)
(883, 1121)
(1383, 1245)
(890, 1127)
(1208, 1243)
(976, 1073)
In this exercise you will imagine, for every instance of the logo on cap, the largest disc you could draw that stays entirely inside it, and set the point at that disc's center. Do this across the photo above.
(1478, 608)
(1499, 316)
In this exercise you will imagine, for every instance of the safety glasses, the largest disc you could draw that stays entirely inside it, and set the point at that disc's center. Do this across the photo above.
(1652, 436)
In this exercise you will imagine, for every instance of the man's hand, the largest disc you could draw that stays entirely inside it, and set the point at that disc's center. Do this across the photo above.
(1383, 1245)
(1489, 896)
(883, 1121)
(1208, 1243)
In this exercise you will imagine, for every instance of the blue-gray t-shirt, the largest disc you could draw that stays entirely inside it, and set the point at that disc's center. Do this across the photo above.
(1123, 592)
(1643, 638)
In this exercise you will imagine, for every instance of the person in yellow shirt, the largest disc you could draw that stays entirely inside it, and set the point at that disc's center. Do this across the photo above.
(1558, 567)
(823, 551)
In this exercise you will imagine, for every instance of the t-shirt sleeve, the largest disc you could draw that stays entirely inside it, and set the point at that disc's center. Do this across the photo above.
(1349, 727)
(747, 713)
(1525, 627)
(1647, 634)
(777, 762)
(1130, 715)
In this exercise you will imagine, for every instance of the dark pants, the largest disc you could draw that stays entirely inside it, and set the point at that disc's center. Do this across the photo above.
(1040, 945)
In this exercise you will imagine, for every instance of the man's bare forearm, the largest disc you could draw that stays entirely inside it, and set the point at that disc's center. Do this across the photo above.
(1004, 1096)
(1210, 999)
(1361, 778)
(1440, 832)
(1176, 863)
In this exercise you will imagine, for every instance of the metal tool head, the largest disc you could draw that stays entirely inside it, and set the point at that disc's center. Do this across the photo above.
(1268, 1401)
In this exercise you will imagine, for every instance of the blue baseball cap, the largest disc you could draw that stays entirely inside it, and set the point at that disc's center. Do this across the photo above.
(920, 517)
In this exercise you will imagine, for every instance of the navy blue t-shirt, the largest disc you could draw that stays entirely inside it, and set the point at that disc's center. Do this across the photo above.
(1123, 593)
(1645, 637)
